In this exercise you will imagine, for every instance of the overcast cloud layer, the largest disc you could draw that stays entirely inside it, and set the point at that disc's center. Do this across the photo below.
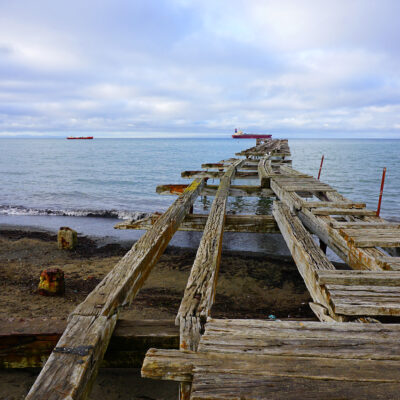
(154, 67)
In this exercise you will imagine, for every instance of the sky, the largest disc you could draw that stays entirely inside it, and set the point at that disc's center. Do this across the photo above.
(155, 68)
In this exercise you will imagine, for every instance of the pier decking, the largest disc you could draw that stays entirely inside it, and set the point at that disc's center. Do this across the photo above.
(353, 352)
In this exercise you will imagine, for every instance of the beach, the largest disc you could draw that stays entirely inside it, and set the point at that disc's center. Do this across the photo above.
(250, 285)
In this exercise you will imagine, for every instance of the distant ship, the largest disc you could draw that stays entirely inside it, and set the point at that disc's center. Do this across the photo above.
(241, 135)
(79, 137)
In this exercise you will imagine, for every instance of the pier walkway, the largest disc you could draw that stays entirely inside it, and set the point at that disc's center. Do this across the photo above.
(352, 353)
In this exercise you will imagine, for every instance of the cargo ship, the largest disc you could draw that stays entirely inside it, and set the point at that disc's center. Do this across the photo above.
(79, 137)
(241, 135)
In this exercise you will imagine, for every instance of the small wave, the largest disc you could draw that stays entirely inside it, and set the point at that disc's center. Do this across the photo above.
(115, 214)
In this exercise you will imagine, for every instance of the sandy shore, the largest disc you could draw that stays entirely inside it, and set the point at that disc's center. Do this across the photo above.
(250, 286)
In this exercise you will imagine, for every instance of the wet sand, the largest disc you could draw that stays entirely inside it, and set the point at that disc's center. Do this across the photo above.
(250, 285)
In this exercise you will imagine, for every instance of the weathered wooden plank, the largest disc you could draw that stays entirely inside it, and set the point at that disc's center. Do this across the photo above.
(264, 172)
(181, 365)
(363, 224)
(291, 199)
(359, 278)
(124, 280)
(328, 347)
(211, 190)
(200, 289)
(357, 258)
(69, 371)
(91, 324)
(197, 222)
(364, 290)
(364, 307)
(307, 255)
(225, 165)
(342, 211)
(376, 242)
(332, 204)
(233, 387)
(218, 174)
(28, 343)
(310, 328)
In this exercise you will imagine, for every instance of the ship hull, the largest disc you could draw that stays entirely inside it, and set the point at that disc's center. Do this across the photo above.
(80, 138)
(251, 136)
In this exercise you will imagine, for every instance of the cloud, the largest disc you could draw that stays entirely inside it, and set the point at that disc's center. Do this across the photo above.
(176, 67)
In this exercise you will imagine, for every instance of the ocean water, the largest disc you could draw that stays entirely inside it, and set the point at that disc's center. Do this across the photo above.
(90, 184)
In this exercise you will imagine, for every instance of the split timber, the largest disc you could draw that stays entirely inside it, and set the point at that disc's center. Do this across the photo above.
(349, 353)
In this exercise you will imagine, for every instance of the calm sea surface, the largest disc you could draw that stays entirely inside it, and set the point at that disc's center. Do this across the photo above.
(45, 182)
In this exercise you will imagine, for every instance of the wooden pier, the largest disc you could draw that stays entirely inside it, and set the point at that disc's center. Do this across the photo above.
(351, 353)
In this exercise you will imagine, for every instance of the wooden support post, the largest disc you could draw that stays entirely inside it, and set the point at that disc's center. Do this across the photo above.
(378, 211)
(72, 367)
(320, 167)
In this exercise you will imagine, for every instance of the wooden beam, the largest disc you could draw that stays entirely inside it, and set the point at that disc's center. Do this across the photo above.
(308, 257)
(200, 290)
(29, 342)
(343, 211)
(225, 165)
(357, 258)
(180, 366)
(335, 205)
(211, 190)
(359, 278)
(218, 174)
(197, 222)
(264, 172)
(363, 225)
(72, 366)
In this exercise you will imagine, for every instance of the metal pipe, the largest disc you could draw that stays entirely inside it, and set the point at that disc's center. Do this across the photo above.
(320, 167)
(381, 192)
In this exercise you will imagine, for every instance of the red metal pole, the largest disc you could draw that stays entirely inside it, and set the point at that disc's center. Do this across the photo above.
(320, 167)
(381, 192)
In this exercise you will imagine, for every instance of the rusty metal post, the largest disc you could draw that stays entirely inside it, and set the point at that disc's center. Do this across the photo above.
(381, 192)
(320, 167)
